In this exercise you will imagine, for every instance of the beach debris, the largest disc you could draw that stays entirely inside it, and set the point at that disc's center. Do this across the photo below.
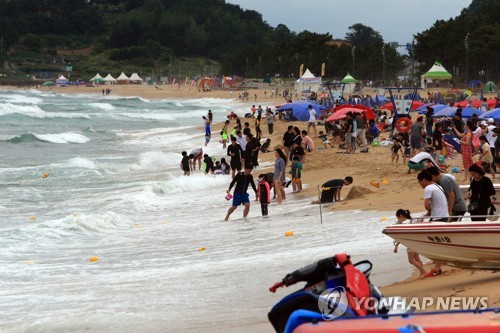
(45, 175)
(29, 262)
(200, 249)
(94, 259)
(375, 184)
(384, 181)
(137, 225)
(289, 233)
(383, 219)
(32, 218)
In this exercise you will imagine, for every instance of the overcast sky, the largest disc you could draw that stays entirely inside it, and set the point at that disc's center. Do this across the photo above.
(395, 20)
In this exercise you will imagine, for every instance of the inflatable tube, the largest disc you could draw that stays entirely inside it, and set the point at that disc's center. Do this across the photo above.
(403, 125)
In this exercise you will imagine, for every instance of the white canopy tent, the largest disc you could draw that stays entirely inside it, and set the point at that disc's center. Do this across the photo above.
(122, 79)
(96, 77)
(109, 79)
(308, 82)
(134, 78)
(62, 81)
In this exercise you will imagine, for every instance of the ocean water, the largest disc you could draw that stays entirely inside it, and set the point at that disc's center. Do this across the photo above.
(85, 176)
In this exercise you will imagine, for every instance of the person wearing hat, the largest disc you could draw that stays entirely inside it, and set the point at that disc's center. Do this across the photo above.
(417, 132)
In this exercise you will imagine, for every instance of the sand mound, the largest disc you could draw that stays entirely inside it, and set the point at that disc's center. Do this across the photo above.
(357, 192)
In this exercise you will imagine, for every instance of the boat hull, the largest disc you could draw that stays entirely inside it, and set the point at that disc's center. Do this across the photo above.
(461, 244)
(487, 321)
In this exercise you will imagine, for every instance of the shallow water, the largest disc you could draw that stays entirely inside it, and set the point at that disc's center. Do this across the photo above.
(90, 176)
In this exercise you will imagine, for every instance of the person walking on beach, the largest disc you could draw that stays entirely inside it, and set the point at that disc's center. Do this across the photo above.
(264, 194)
(279, 175)
(240, 195)
(312, 119)
(185, 164)
(417, 132)
(296, 174)
(270, 121)
(288, 140)
(234, 150)
(413, 257)
(210, 116)
(466, 147)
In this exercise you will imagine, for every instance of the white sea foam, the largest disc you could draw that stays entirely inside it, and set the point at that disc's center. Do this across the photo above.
(103, 106)
(21, 99)
(148, 116)
(194, 183)
(68, 137)
(157, 160)
(80, 162)
(34, 111)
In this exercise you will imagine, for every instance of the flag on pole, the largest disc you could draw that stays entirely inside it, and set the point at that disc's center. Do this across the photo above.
(301, 70)
(323, 69)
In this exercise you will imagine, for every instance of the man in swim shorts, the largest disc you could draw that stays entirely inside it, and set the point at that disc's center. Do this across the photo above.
(240, 195)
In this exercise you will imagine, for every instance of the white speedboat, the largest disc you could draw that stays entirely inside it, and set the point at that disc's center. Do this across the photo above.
(466, 244)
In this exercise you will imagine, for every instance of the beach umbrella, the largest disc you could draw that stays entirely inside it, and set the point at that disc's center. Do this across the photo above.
(436, 107)
(415, 105)
(340, 114)
(495, 114)
(300, 109)
(450, 112)
(47, 84)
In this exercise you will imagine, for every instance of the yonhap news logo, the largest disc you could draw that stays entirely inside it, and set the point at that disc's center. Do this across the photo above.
(333, 303)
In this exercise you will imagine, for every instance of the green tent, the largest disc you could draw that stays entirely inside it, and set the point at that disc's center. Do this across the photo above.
(349, 79)
(490, 87)
(47, 84)
(437, 72)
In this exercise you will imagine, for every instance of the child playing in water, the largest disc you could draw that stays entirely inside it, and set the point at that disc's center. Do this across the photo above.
(324, 139)
(263, 194)
(413, 257)
(296, 174)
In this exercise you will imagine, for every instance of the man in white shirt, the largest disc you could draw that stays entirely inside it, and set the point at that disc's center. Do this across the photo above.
(312, 119)
(241, 139)
(435, 201)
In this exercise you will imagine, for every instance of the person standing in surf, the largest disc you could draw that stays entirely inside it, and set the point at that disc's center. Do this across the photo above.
(234, 150)
(264, 194)
(185, 165)
(240, 195)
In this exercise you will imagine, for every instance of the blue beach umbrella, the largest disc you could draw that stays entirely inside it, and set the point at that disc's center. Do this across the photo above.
(436, 107)
(300, 111)
(450, 112)
(495, 114)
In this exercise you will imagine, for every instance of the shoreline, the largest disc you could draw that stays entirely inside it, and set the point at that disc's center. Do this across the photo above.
(401, 190)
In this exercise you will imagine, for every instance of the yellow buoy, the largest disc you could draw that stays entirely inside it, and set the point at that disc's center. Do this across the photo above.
(32, 218)
(383, 219)
(384, 181)
(45, 175)
(94, 259)
(289, 233)
(29, 262)
(201, 249)
(164, 222)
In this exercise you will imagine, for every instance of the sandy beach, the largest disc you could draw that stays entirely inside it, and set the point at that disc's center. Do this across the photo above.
(400, 191)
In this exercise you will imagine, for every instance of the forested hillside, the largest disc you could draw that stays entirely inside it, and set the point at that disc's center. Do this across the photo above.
(186, 37)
